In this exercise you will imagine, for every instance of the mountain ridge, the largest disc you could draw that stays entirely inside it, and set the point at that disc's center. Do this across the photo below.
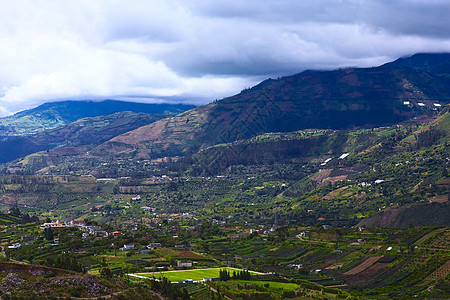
(54, 114)
(363, 97)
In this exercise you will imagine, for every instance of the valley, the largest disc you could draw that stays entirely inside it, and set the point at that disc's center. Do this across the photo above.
(322, 185)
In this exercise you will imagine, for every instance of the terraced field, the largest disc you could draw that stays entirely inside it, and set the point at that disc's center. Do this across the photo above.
(364, 265)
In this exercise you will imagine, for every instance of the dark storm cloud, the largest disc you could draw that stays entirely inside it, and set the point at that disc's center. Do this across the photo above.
(425, 18)
(198, 50)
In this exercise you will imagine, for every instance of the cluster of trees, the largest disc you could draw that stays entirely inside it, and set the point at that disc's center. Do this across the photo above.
(429, 137)
(224, 275)
(66, 262)
(172, 291)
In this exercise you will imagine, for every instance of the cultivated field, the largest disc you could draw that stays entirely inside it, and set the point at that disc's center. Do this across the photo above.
(362, 266)
(196, 274)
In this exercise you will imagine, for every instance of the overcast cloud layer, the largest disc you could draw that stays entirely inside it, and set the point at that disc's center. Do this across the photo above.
(197, 50)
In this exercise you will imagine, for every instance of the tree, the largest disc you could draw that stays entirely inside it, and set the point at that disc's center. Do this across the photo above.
(106, 272)
(48, 234)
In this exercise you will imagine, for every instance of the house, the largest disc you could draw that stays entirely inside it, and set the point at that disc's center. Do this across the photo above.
(304, 234)
(153, 245)
(344, 155)
(150, 209)
(93, 229)
(127, 247)
(117, 233)
(295, 266)
(181, 264)
(101, 233)
(76, 223)
(15, 246)
(55, 225)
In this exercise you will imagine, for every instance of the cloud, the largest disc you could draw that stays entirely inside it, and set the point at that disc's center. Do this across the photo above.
(197, 51)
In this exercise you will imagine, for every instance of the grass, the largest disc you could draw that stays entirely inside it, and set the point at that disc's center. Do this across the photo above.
(197, 274)
(271, 285)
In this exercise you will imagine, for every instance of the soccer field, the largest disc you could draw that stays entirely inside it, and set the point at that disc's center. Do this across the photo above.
(197, 274)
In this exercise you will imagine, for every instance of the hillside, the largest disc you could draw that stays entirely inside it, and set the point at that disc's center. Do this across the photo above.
(436, 63)
(338, 99)
(55, 114)
(81, 133)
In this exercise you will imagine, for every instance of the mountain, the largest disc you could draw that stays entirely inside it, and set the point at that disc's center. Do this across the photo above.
(436, 63)
(340, 99)
(348, 98)
(81, 133)
(55, 114)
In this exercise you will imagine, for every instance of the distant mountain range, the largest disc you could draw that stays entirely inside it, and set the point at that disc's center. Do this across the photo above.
(55, 114)
(340, 99)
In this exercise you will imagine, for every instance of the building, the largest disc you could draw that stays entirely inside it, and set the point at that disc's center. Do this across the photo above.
(153, 245)
(181, 264)
(127, 247)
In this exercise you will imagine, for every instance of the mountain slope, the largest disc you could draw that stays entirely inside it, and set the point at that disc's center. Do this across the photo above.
(86, 131)
(337, 99)
(436, 63)
(55, 114)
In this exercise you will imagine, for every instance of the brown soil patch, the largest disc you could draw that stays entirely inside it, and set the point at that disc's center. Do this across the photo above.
(335, 179)
(444, 182)
(439, 199)
(189, 254)
(367, 275)
(416, 186)
(388, 215)
(154, 259)
(322, 174)
(333, 267)
(9, 199)
(371, 149)
(363, 266)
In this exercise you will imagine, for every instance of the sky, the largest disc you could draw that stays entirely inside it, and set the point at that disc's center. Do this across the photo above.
(197, 51)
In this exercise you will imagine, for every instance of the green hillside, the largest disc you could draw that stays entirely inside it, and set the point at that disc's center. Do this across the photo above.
(55, 114)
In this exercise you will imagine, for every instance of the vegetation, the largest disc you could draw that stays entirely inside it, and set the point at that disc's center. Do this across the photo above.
(315, 213)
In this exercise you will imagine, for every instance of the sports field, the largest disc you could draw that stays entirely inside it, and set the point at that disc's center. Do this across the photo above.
(195, 275)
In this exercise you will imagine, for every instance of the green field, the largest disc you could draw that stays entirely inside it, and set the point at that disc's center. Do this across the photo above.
(270, 285)
(197, 274)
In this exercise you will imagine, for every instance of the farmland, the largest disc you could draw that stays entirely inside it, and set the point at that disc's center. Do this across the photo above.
(196, 274)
